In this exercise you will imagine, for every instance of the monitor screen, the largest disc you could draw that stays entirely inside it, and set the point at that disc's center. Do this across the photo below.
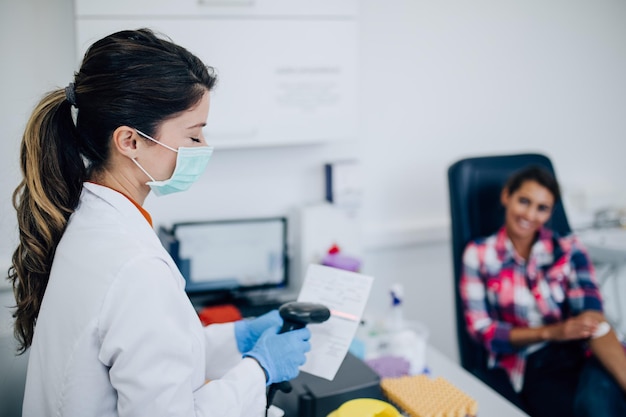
(231, 255)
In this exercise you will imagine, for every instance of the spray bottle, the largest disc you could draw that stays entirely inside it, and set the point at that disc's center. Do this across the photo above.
(407, 339)
(396, 318)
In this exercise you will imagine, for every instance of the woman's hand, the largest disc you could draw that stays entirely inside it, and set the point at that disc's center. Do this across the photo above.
(281, 355)
(583, 326)
(248, 331)
(580, 327)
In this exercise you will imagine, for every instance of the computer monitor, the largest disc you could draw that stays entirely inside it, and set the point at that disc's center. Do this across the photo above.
(230, 256)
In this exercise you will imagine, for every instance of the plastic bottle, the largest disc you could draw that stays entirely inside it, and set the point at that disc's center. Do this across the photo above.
(406, 339)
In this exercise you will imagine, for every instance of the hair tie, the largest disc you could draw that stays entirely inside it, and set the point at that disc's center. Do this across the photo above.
(70, 94)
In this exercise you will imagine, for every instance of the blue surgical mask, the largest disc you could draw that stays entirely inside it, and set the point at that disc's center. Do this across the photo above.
(190, 164)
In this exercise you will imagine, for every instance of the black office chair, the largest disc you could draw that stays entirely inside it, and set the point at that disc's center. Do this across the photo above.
(475, 185)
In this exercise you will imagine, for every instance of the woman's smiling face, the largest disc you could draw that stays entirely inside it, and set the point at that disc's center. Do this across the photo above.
(527, 209)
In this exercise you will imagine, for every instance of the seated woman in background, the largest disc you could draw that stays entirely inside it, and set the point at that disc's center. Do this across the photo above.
(531, 299)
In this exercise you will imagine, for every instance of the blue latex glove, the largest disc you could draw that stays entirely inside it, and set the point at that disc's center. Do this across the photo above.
(248, 331)
(280, 355)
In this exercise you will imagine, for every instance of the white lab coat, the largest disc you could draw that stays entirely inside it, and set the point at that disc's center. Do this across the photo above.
(117, 336)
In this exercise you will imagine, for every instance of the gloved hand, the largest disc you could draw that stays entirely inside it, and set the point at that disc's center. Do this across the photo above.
(280, 355)
(248, 331)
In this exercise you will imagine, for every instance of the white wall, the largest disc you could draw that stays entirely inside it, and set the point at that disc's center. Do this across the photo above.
(37, 46)
(36, 43)
(454, 78)
(438, 80)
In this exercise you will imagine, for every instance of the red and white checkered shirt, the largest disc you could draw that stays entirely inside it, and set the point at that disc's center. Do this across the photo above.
(501, 290)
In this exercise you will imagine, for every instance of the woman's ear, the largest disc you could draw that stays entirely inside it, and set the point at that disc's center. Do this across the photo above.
(125, 141)
(504, 197)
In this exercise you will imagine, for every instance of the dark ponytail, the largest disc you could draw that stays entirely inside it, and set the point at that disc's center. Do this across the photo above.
(53, 173)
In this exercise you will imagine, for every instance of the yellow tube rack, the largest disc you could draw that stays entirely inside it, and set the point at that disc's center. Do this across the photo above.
(422, 396)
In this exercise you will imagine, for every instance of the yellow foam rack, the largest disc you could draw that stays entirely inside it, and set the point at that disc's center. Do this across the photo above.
(422, 396)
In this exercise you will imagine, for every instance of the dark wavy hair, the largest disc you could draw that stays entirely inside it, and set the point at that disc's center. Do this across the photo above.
(132, 78)
(535, 173)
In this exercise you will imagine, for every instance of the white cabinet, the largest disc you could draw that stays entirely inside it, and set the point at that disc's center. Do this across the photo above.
(327, 9)
(287, 68)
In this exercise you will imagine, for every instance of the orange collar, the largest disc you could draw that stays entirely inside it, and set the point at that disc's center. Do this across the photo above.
(143, 211)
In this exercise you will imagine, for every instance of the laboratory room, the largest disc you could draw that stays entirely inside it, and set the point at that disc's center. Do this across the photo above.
(319, 209)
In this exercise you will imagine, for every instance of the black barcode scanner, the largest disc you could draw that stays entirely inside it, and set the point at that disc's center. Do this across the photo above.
(296, 315)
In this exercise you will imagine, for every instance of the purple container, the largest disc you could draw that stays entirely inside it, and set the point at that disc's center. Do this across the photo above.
(337, 260)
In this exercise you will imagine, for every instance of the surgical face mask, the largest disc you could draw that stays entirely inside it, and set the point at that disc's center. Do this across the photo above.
(190, 164)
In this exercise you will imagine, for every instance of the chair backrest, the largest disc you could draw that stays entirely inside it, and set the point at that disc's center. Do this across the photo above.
(475, 185)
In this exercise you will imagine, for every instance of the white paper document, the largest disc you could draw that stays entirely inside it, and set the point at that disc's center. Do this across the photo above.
(345, 294)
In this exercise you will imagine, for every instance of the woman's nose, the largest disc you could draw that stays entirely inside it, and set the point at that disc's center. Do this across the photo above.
(527, 213)
(203, 136)
(531, 214)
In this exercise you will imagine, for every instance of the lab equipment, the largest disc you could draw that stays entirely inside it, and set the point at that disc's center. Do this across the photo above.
(223, 259)
(313, 396)
(609, 217)
(297, 315)
(422, 396)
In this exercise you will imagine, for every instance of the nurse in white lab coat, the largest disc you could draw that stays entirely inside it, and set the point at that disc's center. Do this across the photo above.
(100, 303)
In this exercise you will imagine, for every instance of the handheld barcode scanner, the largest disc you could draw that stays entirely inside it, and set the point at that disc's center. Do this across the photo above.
(296, 315)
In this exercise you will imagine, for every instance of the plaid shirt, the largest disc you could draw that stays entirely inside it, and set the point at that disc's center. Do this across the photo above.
(495, 289)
